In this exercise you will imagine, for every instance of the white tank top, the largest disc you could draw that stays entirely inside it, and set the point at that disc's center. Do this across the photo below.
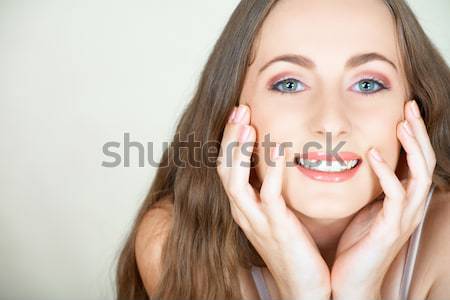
(408, 268)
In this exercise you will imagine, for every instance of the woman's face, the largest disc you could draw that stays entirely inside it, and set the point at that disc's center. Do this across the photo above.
(327, 84)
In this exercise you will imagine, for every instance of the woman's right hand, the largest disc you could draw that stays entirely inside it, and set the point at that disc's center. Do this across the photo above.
(282, 241)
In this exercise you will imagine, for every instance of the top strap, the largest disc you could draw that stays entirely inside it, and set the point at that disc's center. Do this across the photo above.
(261, 285)
(413, 246)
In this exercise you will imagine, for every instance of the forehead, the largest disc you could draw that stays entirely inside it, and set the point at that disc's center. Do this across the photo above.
(327, 31)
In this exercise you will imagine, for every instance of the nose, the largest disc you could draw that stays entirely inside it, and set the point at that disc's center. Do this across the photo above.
(330, 116)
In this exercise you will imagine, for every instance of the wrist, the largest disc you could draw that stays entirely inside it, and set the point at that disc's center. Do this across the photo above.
(357, 291)
(296, 293)
(357, 294)
(303, 288)
(305, 296)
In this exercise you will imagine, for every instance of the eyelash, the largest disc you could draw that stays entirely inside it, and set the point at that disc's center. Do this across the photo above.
(379, 82)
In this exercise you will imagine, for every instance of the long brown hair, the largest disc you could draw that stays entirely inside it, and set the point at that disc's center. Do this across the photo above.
(205, 247)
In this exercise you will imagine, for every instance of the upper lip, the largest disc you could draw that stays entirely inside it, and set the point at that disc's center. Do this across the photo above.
(316, 155)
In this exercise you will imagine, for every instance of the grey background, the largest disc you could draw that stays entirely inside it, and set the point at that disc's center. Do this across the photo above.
(73, 76)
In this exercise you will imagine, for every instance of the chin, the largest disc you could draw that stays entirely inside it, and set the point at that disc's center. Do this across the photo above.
(327, 207)
(333, 200)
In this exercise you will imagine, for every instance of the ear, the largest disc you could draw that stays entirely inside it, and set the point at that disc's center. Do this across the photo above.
(402, 166)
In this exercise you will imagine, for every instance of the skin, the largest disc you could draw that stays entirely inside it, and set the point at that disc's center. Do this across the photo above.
(340, 234)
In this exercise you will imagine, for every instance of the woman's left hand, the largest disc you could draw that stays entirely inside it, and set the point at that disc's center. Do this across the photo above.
(375, 236)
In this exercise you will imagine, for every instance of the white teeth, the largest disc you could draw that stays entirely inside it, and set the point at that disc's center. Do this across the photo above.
(334, 166)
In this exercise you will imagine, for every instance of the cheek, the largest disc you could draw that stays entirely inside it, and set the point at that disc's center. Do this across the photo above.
(274, 116)
(274, 124)
(380, 130)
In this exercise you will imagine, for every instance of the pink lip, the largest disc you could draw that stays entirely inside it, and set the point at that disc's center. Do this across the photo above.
(330, 176)
(323, 156)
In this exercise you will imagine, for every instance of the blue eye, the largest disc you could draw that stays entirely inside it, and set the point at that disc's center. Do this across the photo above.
(369, 86)
(366, 86)
(288, 85)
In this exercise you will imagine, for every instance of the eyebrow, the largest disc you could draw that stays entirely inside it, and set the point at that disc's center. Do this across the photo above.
(307, 63)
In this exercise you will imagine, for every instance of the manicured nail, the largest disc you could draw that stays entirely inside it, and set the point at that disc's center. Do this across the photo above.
(232, 115)
(245, 130)
(239, 114)
(375, 154)
(415, 109)
(408, 128)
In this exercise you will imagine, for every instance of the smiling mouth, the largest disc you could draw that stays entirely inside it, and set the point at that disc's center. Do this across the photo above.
(331, 166)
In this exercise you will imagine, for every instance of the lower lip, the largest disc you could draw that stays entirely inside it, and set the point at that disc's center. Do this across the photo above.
(329, 176)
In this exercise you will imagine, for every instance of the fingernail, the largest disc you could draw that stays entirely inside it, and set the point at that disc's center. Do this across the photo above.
(408, 128)
(415, 109)
(245, 130)
(374, 152)
(239, 114)
(232, 115)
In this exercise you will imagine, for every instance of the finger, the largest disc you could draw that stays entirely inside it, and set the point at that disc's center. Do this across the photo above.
(394, 201)
(225, 153)
(420, 132)
(236, 191)
(420, 179)
(241, 162)
(239, 188)
(270, 193)
(242, 154)
(240, 115)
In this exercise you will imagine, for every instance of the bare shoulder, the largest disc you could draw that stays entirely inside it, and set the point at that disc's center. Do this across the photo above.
(434, 262)
(150, 237)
